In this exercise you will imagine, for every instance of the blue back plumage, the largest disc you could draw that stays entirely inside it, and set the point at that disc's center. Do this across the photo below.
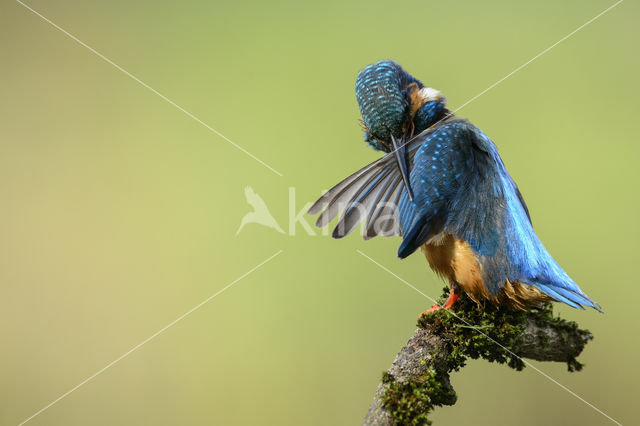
(428, 114)
(462, 187)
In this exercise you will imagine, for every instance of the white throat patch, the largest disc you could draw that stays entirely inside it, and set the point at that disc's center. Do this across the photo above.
(428, 94)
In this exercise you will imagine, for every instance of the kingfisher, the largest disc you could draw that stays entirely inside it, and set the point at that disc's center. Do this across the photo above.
(442, 186)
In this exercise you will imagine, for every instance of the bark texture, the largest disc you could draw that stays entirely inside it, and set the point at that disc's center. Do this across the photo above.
(418, 379)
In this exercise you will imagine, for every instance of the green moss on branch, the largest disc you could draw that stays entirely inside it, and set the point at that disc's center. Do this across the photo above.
(418, 380)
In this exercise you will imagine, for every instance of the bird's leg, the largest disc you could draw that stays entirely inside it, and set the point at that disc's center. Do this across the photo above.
(454, 293)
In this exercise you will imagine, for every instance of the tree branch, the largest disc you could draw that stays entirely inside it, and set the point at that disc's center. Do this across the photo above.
(418, 379)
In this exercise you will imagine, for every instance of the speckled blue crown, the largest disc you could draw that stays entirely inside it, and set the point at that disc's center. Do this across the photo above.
(383, 100)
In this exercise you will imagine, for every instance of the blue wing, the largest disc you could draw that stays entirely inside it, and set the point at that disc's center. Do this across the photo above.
(458, 189)
(461, 187)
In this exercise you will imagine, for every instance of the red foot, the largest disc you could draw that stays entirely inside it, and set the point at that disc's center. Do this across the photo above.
(447, 304)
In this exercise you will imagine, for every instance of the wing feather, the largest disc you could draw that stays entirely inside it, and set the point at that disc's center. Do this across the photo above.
(371, 193)
(361, 204)
(390, 224)
(381, 200)
(337, 200)
(323, 201)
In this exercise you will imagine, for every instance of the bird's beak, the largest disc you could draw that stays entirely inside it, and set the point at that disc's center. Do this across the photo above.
(401, 159)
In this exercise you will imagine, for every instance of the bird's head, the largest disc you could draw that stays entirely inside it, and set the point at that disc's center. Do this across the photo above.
(392, 102)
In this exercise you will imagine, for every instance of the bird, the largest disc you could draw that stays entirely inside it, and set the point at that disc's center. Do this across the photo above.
(260, 213)
(443, 188)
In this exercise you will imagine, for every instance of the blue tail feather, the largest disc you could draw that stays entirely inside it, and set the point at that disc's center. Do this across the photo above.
(570, 297)
(551, 291)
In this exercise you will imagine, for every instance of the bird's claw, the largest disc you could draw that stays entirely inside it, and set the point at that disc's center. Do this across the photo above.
(430, 311)
(453, 296)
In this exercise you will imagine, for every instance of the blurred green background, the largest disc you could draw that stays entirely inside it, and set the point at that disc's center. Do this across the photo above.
(119, 213)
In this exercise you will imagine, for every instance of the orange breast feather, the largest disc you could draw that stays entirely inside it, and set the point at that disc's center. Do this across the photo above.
(454, 260)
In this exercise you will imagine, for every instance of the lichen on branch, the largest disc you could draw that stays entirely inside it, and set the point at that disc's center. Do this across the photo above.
(418, 380)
